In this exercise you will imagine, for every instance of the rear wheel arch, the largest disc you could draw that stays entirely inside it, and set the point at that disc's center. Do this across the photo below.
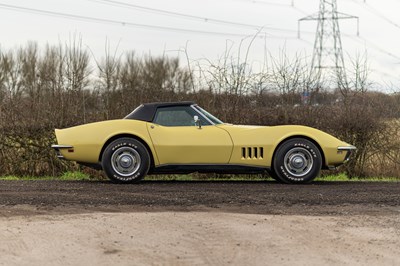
(110, 140)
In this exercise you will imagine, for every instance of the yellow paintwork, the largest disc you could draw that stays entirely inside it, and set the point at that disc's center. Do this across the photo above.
(220, 144)
(270, 137)
(89, 139)
(185, 145)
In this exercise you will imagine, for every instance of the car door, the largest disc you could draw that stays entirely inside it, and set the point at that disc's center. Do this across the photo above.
(177, 140)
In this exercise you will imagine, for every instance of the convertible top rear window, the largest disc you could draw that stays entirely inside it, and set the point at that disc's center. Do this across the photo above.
(147, 111)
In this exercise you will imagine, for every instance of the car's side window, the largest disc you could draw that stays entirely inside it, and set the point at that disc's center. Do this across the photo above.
(175, 116)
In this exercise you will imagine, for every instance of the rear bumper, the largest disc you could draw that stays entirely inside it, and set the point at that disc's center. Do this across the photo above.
(57, 148)
(348, 149)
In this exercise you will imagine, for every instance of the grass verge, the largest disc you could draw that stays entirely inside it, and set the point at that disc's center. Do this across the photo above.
(79, 176)
(345, 178)
(71, 176)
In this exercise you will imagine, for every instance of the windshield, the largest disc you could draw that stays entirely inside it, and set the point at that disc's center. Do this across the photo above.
(213, 119)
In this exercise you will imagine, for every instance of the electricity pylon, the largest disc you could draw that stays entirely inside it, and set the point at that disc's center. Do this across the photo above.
(327, 61)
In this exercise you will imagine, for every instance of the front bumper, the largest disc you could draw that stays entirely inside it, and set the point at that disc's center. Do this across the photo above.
(339, 156)
(57, 148)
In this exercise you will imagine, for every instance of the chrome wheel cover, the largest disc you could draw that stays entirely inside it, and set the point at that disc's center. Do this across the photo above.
(125, 161)
(298, 162)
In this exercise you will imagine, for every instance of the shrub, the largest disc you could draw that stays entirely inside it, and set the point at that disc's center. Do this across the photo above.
(58, 87)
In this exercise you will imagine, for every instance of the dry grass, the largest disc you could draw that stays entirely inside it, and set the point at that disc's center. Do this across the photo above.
(385, 160)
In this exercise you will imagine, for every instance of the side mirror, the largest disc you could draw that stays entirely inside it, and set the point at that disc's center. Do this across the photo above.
(197, 121)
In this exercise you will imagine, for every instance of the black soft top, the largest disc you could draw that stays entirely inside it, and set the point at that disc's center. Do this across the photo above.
(146, 111)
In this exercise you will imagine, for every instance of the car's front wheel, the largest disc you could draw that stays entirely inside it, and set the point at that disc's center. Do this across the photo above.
(297, 161)
(126, 160)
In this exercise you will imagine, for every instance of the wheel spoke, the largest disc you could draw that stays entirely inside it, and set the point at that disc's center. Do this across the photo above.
(298, 161)
(125, 161)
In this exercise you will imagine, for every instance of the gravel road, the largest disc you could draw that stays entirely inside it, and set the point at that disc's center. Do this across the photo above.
(190, 223)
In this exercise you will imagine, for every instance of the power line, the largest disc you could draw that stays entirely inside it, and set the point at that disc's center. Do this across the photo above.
(154, 27)
(292, 5)
(113, 22)
(266, 3)
(384, 73)
(369, 43)
(131, 24)
(377, 13)
(187, 16)
(372, 45)
(172, 13)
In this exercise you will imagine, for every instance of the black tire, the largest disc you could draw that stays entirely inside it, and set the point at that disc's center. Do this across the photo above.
(273, 175)
(297, 161)
(126, 160)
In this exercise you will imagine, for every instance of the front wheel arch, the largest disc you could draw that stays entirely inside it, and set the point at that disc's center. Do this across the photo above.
(302, 137)
(297, 160)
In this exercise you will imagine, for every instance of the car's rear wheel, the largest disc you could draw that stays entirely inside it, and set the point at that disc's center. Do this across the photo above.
(297, 161)
(126, 160)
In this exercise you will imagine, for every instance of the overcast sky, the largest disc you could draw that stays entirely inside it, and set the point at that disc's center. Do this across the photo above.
(140, 27)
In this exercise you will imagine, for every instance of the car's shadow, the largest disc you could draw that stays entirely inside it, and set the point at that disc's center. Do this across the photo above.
(216, 182)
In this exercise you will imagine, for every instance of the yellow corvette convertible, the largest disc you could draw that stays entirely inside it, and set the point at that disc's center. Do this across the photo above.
(181, 137)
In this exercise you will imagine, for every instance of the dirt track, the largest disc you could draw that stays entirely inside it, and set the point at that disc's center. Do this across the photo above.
(186, 223)
(325, 198)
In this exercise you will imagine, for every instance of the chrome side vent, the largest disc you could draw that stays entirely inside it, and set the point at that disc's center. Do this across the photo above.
(252, 152)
